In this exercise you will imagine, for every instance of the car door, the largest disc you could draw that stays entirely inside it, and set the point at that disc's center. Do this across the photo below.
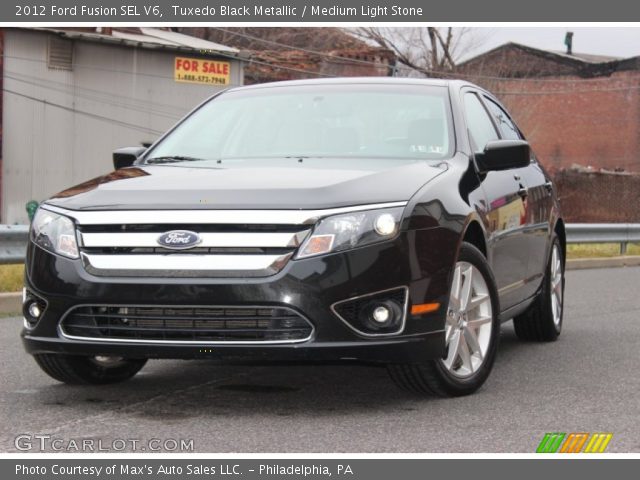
(504, 216)
(537, 202)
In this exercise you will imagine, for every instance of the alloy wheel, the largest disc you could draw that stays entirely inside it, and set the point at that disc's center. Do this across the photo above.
(556, 286)
(469, 322)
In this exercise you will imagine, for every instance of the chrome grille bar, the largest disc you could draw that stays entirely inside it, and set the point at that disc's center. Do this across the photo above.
(223, 239)
(184, 265)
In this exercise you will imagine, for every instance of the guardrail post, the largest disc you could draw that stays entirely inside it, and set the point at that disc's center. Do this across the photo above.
(623, 248)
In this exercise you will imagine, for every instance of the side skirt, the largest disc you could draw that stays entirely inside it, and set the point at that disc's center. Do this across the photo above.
(518, 309)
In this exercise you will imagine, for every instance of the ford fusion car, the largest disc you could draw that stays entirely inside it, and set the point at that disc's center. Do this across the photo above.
(386, 221)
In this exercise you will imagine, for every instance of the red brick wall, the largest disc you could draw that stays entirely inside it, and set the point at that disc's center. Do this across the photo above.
(572, 112)
(598, 197)
(569, 120)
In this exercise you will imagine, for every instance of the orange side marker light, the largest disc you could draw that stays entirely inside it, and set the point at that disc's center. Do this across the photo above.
(423, 308)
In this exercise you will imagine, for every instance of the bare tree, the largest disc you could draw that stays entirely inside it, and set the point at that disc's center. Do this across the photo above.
(423, 51)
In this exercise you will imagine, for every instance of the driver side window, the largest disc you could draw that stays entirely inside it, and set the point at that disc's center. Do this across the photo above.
(507, 127)
(481, 129)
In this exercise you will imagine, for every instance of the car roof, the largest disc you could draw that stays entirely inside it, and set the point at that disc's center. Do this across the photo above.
(438, 82)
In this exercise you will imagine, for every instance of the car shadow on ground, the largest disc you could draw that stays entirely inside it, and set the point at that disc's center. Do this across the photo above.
(188, 388)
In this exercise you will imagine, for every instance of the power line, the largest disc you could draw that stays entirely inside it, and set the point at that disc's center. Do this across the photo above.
(446, 73)
(248, 60)
(88, 114)
(90, 91)
(172, 116)
(299, 49)
(437, 73)
(106, 101)
(562, 92)
(93, 67)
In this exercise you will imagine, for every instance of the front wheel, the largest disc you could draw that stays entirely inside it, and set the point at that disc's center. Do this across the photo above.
(471, 334)
(98, 370)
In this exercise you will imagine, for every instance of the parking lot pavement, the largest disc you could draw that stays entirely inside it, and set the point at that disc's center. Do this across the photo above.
(587, 381)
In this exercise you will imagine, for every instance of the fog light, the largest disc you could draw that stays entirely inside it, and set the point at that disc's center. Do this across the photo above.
(381, 314)
(34, 310)
(385, 225)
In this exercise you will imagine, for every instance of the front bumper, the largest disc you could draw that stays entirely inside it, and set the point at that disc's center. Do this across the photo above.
(419, 259)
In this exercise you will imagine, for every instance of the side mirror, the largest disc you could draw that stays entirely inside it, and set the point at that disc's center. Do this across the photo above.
(124, 157)
(503, 155)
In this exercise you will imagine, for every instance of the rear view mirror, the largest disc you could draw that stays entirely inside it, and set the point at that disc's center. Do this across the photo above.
(503, 155)
(124, 157)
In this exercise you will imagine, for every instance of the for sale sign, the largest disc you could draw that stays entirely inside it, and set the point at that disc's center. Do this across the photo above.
(198, 70)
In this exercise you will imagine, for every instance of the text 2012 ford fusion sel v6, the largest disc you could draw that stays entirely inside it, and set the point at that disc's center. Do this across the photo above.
(389, 221)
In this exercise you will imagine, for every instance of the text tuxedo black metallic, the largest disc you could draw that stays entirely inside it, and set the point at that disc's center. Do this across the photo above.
(393, 221)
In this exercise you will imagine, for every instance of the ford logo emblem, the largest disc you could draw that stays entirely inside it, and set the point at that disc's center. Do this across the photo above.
(179, 239)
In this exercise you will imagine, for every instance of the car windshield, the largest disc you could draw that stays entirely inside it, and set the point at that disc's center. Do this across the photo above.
(315, 121)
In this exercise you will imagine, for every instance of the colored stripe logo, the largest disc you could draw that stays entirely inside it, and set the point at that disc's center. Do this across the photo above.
(574, 443)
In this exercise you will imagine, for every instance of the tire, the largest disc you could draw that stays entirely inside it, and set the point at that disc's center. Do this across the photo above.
(542, 322)
(465, 372)
(77, 370)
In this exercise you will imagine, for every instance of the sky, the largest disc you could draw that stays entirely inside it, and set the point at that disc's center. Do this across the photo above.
(613, 41)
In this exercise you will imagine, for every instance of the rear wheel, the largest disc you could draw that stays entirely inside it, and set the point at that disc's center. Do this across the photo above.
(471, 334)
(542, 322)
(96, 370)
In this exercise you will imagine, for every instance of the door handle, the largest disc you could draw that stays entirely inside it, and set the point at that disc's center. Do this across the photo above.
(523, 192)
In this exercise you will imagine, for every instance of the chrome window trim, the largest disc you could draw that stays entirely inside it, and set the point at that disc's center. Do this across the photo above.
(62, 334)
(183, 264)
(374, 335)
(208, 239)
(229, 217)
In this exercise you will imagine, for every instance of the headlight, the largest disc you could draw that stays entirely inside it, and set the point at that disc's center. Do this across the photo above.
(54, 233)
(350, 230)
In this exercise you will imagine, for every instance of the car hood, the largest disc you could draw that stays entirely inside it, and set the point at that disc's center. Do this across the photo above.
(293, 184)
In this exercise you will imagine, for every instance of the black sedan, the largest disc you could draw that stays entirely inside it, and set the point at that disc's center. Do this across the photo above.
(378, 220)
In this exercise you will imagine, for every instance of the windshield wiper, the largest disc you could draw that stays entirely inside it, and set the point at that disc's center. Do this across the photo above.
(173, 159)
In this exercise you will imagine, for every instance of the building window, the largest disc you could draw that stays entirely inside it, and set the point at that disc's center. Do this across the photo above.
(59, 53)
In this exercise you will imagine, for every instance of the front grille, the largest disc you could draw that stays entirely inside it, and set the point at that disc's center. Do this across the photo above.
(222, 243)
(186, 324)
(223, 251)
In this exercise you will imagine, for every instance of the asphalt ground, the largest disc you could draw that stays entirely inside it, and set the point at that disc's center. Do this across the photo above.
(587, 381)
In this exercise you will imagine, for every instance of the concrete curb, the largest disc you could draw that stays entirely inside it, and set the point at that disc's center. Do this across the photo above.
(612, 262)
(10, 303)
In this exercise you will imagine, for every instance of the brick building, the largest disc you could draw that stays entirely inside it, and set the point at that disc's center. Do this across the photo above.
(574, 108)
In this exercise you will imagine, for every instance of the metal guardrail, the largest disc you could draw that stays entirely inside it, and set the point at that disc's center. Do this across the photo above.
(622, 233)
(13, 243)
(13, 238)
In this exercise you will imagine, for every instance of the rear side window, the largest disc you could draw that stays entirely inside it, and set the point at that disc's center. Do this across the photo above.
(507, 127)
(481, 129)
